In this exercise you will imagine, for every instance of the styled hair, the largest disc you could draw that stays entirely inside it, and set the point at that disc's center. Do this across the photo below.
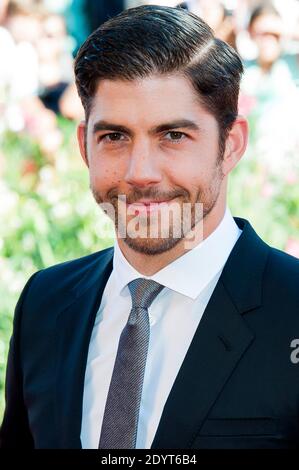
(159, 40)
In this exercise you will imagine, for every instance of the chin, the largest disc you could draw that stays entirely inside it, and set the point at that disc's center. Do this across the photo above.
(150, 246)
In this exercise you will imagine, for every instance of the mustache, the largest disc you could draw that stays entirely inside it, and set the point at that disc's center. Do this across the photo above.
(152, 194)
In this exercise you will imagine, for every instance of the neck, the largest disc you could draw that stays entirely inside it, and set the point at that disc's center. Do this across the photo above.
(266, 66)
(150, 264)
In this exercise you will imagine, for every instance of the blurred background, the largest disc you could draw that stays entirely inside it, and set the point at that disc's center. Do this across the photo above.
(47, 214)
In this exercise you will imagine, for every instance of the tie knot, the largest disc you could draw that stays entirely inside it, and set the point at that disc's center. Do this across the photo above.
(144, 291)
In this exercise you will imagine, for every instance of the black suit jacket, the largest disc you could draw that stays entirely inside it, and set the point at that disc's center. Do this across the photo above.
(237, 386)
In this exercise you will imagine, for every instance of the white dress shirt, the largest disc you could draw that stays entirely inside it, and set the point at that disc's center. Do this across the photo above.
(174, 317)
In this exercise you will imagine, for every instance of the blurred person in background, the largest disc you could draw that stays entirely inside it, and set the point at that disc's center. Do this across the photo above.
(55, 62)
(19, 73)
(269, 82)
(242, 11)
(38, 68)
(268, 31)
(214, 13)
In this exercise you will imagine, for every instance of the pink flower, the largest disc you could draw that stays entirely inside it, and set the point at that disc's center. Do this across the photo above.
(291, 178)
(267, 190)
(292, 247)
(29, 166)
(246, 104)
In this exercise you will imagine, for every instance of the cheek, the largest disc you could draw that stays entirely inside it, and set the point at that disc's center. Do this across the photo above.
(190, 171)
(104, 176)
(190, 178)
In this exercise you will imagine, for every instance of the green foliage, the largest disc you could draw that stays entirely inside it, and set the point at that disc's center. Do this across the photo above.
(267, 194)
(47, 216)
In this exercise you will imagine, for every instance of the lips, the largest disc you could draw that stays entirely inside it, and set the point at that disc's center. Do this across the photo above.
(146, 205)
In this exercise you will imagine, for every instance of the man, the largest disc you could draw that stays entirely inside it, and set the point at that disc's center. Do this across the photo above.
(153, 343)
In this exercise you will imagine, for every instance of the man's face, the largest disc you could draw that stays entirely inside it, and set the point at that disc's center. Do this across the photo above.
(151, 140)
(266, 31)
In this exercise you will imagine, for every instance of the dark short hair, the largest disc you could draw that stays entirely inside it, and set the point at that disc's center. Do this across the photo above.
(158, 40)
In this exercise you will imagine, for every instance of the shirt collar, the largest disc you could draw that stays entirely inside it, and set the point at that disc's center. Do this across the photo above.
(190, 273)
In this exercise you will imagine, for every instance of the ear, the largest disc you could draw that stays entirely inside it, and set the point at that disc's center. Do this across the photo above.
(235, 144)
(81, 136)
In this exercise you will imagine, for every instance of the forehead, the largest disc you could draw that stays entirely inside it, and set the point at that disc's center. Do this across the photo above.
(267, 22)
(150, 99)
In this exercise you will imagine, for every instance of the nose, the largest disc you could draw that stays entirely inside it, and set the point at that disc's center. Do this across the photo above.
(143, 165)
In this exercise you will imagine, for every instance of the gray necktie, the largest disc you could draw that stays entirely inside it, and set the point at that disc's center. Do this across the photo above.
(119, 428)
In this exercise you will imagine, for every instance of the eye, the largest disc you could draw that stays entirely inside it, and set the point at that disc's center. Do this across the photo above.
(111, 137)
(176, 136)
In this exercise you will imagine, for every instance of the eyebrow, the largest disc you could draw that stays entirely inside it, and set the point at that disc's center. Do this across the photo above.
(178, 124)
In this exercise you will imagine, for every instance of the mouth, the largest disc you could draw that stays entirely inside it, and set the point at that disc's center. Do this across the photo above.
(146, 205)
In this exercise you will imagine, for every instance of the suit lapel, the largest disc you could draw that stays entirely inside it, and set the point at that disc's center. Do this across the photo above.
(220, 341)
(217, 346)
(73, 330)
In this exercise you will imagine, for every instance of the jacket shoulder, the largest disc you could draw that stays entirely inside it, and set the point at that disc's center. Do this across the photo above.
(84, 262)
(62, 276)
(283, 263)
(282, 275)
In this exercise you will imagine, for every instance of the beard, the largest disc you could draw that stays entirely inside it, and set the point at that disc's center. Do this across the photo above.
(168, 236)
